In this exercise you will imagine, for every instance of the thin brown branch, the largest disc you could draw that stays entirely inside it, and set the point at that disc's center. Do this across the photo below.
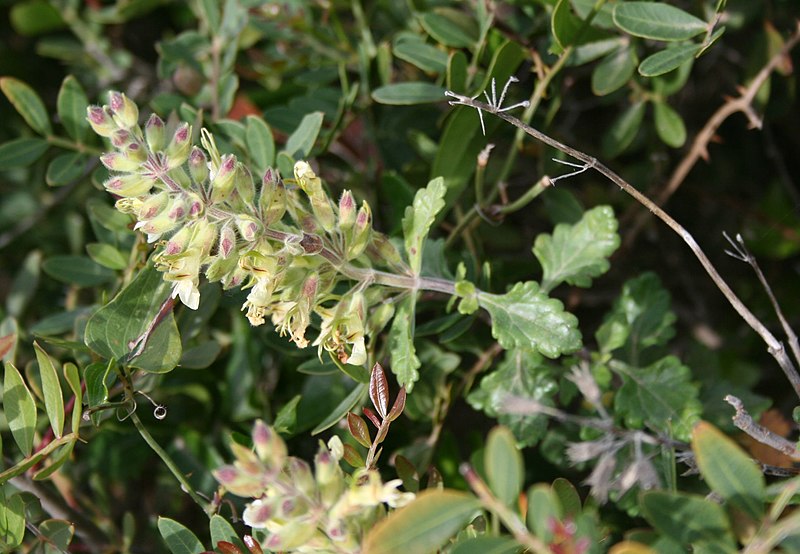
(744, 421)
(699, 149)
(774, 346)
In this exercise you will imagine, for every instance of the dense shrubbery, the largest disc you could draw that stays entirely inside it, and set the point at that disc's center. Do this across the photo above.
(276, 198)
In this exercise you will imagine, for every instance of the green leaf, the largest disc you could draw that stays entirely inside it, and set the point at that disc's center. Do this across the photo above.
(301, 141)
(568, 497)
(503, 464)
(424, 525)
(689, 519)
(657, 21)
(412, 92)
(577, 253)
(26, 281)
(728, 470)
(614, 71)
(286, 419)
(221, 530)
(55, 460)
(35, 17)
(73, 379)
(543, 510)
(603, 19)
(12, 521)
(77, 270)
(21, 152)
(450, 27)
(594, 50)
(564, 24)
(623, 130)
(521, 374)
(457, 68)
(669, 125)
(179, 539)
(72, 103)
(115, 330)
(96, 390)
(424, 56)
(58, 533)
(525, 317)
(200, 356)
(51, 387)
(65, 168)
(19, 408)
(669, 59)
(419, 218)
(352, 400)
(660, 396)
(401, 344)
(28, 104)
(260, 144)
(640, 318)
(106, 255)
(486, 545)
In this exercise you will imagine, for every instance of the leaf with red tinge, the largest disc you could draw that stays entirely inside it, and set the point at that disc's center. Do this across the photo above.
(6, 344)
(352, 456)
(228, 548)
(398, 406)
(252, 545)
(379, 390)
(358, 428)
(372, 417)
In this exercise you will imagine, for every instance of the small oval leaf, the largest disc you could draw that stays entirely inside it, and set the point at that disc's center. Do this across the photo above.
(301, 141)
(657, 21)
(28, 104)
(179, 539)
(65, 168)
(503, 464)
(379, 390)
(613, 72)
(51, 388)
(667, 60)
(71, 104)
(669, 125)
(260, 143)
(400, 94)
(358, 428)
(623, 130)
(21, 152)
(77, 270)
(19, 408)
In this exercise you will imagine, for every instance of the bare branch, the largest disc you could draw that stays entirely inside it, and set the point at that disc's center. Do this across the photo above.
(744, 421)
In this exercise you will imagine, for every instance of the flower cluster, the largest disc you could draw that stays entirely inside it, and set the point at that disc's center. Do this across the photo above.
(303, 510)
(286, 241)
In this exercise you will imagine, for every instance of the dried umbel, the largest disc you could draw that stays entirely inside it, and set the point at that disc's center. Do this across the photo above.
(285, 241)
(300, 510)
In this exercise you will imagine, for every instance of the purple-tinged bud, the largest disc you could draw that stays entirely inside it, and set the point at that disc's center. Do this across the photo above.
(310, 286)
(178, 242)
(100, 120)
(128, 185)
(178, 208)
(269, 446)
(293, 534)
(221, 269)
(121, 139)
(153, 206)
(198, 165)
(117, 161)
(125, 111)
(272, 198)
(362, 231)
(136, 152)
(249, 227)
(245, 188)
(156, 227)
(271, 177)
(196, 206)
(300, 474)
(258, 513)
(179, 147)
(227, 244)
(382, 250)
(222, 185)
(180, 177)
(155, 133)
(347, 211)
(205, 236)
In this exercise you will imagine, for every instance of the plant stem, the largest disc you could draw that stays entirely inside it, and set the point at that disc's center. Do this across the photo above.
(72, 145)
(774, 346)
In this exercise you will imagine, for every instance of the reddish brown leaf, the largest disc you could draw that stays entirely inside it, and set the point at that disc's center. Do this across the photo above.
(7, 343)
(398, 406)
(372, 417)
(352, 456)
(252, 545)
(358, 428)
(379, 390)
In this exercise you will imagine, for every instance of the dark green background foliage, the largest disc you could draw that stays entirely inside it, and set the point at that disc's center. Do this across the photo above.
(559, 286)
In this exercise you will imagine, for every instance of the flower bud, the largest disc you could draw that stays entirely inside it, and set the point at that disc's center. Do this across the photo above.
(243, 183)
(156, 227)
(361, 232)
(347, 211)
(136, 152)
(125, 111)
(178, 208)
(293, 534)
(249, 227)
(222, 184)
(227, 241)
(179, 147)
(329, 477)
(153, 206)
(117, 161)
(269, 446)
(128, 185)
(204, 236)
(378, 318)
(221, 269)
(301, 477)
(154, 133)
(198, 165)
(382, 250)
(100, 120)
(128, 205)
(121, 139)
(272, 199)
(196, 205)
(258, 512)
(180, 177)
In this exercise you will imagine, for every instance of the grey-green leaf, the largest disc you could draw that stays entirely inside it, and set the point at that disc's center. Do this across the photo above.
(401, 344)
(115, 329)
(450, 27)
(260, 143)
(106, 255)
(525, 317)
(21, 152)
(77, 270)
(688, 518)
(623, 130)
(179, 539)
(669, 59)
(577, 253)
(12, 521)
(412, 92)
(301, 141)
(354, 398)
(28, 104)
(65, 168)
(19, 408)
(669, 125)
(657, 21)
(423, 55)
(51, 387)
(614, 71)
(419, 218)
(71, 104)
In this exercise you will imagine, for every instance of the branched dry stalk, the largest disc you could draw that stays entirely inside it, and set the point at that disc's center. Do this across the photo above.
(699, 149)
(744, 421)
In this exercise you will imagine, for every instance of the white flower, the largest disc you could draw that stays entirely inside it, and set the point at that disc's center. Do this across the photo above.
(188, 292)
